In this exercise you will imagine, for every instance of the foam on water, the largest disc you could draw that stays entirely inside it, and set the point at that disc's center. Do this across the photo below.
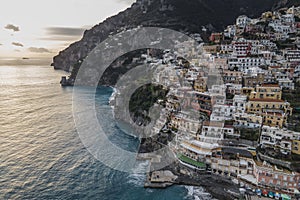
(197, 193)
(138, 176)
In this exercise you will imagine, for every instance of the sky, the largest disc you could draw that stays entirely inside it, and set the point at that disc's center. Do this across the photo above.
(41, 28)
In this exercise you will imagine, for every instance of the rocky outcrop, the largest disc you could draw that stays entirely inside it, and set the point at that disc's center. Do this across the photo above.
(181, 15)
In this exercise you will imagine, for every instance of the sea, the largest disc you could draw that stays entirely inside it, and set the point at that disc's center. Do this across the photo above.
(42, 156)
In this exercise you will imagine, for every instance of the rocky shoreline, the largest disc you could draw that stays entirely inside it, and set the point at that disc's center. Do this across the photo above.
(178, 174)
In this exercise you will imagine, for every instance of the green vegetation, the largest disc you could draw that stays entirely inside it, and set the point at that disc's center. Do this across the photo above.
(229, 96)
(143, 99)
(75, 69)
(285, 44)
(190, 161)
(250, 36)
(293, 97)
(295, 157)
(249, 134)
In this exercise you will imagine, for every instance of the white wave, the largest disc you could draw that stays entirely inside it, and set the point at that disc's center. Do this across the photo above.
(197, 193)
(113, 96)
(197, 198)
(138, 175)
(190, 190)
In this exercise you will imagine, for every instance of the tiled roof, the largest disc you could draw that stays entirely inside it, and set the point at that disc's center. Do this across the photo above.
(267, 100)
(270, 85)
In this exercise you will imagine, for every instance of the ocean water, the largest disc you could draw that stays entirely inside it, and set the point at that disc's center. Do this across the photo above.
(41, 154)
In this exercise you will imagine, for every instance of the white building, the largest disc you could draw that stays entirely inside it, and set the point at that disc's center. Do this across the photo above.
(186, 122)
(244, 63)
(278, 138)
(197, 150)
(286, 84)
(222, 112)
(279, 27)
(230, 31)
(234, 88)
(288, 18)
(292, 55)
(239, 101)
(242, 21)
(214, 132)
(247, 120)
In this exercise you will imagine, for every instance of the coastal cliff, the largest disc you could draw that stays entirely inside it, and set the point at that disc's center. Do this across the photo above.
(191, 16)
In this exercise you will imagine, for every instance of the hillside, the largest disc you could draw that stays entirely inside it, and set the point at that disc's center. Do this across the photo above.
(181, 15)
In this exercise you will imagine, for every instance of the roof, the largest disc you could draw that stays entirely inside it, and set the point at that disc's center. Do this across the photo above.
(267, 100)
(191, 161)
(275, 67)
(274, 113)
(241, 152)
(213, 123)
(204, 144)
(270, 85)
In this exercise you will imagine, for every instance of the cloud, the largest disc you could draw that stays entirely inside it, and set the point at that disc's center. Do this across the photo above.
(127, 1)
(64, 33)
(38, 50)
(17, 44)
(1, 44)
(12, 27)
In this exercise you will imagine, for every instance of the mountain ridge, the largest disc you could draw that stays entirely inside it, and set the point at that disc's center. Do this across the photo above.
(180, 15)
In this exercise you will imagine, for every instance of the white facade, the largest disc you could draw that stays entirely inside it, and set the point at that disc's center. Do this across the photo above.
(292, 55)
(214, 132)
(280, 138)
(239, 101)
(187, 125)
(280, 27)
(242, 21)
(247, 120)
(222, 112)
(244, 63)
(286, 84)
(230, 31)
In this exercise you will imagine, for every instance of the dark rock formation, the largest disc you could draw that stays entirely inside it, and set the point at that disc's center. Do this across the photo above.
(181, 15)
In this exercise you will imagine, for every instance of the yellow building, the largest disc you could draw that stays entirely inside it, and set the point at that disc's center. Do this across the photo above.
(267, 15)
(274, 119)
(200, 84)
(247, 91)
(265, 105)
(296, 147)
(211, 48)
(266, 92)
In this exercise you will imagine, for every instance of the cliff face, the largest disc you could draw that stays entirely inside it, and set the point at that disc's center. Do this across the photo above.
(181, 15)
